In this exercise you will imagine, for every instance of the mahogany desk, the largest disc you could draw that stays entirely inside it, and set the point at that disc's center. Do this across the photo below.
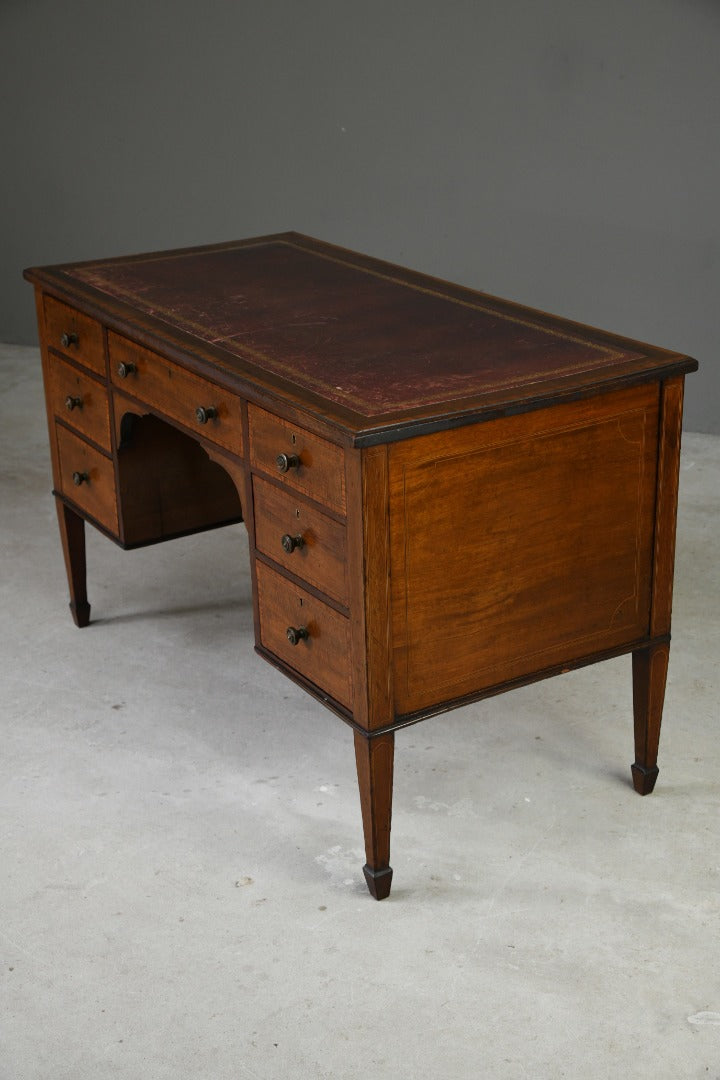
(447, 495)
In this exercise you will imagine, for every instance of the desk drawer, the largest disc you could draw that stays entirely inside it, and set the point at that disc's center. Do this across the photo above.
(80, 400)
(302, 461)
(323, 656)
(194, 402)
(282, 519)
(75, 334)
(87, 477)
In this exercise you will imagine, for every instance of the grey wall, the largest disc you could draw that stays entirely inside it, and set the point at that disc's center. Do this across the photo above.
(560, 153)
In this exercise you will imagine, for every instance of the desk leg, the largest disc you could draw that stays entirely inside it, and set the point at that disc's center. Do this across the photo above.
(649, 675)
(374, 759)
(72, 534)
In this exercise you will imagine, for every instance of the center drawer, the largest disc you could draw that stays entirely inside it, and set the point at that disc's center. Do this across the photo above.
(301, 538)
(194, 402)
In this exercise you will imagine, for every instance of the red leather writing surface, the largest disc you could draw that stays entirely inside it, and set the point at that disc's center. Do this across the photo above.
(357, 336)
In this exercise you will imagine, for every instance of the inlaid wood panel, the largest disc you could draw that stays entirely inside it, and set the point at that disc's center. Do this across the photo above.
(521, 543)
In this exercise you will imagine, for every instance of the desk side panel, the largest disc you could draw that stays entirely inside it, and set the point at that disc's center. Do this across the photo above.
(521, 544)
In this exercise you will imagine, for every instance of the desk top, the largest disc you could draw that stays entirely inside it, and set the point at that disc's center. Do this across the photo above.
(378, 351)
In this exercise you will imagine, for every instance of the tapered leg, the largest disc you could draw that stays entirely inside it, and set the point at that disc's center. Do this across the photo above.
(72, 534)
(649, 676)
(374, 759)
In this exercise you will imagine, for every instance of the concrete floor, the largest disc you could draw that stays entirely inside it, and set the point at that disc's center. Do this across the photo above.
(182, 894)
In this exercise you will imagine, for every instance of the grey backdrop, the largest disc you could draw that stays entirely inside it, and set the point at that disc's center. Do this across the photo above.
(559, 153)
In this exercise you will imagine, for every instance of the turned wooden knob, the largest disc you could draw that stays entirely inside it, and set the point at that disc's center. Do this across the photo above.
(80, 478)
(67, 339)
(296, 634)
(125, 369)
(287, 461)
(73, 402)
(291, 542)
(202, 415)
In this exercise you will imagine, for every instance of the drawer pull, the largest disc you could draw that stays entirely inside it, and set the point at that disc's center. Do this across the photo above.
(80, 478)
(73, 402)
(287, 461)
(66, 340)
(126, 368)
(291, 542)
(202, 415)
(296, 634)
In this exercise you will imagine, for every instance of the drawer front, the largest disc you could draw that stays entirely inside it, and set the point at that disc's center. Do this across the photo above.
(323, 656)
(177, 393)
(94, 490)
(75, 334)
(79, 400)
(301, 538)
(303, 462)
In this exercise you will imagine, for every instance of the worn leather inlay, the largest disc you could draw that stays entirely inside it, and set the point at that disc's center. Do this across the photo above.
(359, 337)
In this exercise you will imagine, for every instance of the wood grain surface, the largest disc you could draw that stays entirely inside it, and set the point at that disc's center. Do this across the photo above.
(521, 543)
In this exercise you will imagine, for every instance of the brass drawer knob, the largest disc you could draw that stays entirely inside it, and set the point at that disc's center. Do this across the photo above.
(202, 415)
(66, 340)
(287, 461)
(124, 369)
(296, 634)
(80, 478)
(73, 402)
(291, 542)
